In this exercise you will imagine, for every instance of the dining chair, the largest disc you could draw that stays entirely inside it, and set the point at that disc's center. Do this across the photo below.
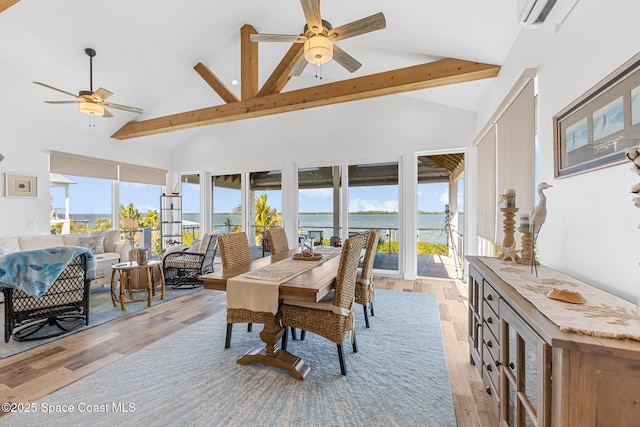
(332, 317)
(365, 288)
(234, 251)
(278, 241)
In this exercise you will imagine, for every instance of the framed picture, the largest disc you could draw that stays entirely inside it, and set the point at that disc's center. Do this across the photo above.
(20, 185)
(597, 128)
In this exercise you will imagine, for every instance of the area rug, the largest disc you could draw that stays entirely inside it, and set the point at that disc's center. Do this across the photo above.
(398, 378)
(101, 310)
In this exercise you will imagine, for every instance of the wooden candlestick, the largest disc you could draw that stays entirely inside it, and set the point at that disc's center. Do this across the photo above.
(527, 248)
(508, 243)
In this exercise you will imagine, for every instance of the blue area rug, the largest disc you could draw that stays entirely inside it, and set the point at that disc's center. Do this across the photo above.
(399, 377)
(101, 310)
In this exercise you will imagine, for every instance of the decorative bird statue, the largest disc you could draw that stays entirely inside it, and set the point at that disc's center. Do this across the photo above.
(537, 218)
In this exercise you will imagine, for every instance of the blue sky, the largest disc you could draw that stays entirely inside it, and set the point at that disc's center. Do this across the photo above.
(83, 199)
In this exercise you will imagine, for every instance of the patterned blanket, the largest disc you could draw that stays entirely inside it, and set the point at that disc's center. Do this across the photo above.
(35, 271)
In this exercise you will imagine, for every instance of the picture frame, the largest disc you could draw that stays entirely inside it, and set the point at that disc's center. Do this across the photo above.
(596, 129)
(20, 185)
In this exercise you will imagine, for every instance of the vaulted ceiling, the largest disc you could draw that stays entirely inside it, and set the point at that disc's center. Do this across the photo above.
(160, 56)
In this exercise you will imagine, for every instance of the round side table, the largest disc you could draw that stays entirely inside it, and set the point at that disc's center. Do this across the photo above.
(123, 272)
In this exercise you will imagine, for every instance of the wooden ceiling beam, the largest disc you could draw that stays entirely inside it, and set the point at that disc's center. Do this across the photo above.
(215, 83)
(6, 4)
(281, 75)
(432, 74)
(248, 63)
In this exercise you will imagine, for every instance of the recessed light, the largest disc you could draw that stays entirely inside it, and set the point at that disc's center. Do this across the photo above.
(234, 82)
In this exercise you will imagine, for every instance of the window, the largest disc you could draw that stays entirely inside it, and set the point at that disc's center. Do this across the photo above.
(191, 222)
(373, 205)
(82, 196)
(227, 203)
(319, 201)
(265, 198)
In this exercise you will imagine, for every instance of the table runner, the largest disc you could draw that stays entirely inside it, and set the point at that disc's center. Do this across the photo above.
(259, 290)
(603, 315)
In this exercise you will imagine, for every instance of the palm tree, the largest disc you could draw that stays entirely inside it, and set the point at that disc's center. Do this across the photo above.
(266, 217)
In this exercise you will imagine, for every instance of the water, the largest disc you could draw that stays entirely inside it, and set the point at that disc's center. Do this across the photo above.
(431, 226)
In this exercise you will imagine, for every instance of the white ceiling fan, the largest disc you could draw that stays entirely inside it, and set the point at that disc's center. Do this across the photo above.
(319, 38)
(90, 102)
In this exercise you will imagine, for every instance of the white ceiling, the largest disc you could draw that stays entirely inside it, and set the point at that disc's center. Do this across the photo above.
(146, 49)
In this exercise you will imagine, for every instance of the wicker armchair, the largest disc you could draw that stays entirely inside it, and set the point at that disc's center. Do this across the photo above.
(64, 305)
(332, 317)
(235, 251)
(365, 288)
(184, 268)
(278, 242)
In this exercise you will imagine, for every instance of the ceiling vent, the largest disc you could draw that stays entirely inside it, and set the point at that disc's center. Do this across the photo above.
(534, 13)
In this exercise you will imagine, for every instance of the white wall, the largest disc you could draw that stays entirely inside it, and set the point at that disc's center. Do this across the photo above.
(591, 231)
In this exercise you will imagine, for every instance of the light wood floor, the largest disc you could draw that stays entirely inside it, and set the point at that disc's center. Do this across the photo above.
(34, 374)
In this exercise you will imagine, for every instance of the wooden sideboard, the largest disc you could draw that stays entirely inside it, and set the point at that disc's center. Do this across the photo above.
(538, 375)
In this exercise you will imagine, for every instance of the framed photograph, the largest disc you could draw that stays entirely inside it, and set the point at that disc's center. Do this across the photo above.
(597, 128)
(20, 185)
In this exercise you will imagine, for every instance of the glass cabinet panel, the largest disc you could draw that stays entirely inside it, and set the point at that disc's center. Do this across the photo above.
(527, 379)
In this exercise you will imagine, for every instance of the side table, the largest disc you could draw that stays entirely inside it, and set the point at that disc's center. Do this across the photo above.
(123, 272)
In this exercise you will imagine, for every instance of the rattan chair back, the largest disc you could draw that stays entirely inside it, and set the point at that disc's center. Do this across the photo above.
(347, 272)
(234, 249)
(278, 241)
(373, 238)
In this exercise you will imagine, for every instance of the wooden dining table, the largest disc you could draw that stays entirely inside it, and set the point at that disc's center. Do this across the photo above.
(310, 286)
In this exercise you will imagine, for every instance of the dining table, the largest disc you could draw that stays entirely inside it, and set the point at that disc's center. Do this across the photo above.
(310, 285)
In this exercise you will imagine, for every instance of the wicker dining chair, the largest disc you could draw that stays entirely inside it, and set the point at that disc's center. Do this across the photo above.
(277, 240)
(332, 317)
(365, 288)
(234, 251)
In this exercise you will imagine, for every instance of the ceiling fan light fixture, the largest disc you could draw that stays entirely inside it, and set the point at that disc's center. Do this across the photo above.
(91, 109)
(318, 50)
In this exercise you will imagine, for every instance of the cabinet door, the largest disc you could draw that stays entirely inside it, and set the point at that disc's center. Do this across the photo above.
(526, 373)
(475, 316)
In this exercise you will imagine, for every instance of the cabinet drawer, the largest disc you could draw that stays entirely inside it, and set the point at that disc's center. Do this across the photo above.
(491, 297)
(489, 368)
(492, 343)
(491, 320)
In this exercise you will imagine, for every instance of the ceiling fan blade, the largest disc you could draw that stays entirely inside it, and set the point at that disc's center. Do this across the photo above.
(107, 113)
(277, 38)
(311, 10)
(59, 90)
(101, 94)
(122, 107)
(64, 102)
(344, 59)
(361, 26)
(299, 67)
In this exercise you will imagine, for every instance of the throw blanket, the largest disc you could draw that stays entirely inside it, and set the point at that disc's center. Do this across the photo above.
(35, 271)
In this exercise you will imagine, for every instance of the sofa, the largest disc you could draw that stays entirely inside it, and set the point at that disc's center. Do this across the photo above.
(105, 245)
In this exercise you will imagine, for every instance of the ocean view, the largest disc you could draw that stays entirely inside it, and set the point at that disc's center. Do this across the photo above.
(430, 225)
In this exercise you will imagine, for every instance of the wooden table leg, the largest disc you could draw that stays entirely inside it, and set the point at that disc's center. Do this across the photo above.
(124, 279)
(113, 286)
(271, 354)
(149, 286)
(161, 281)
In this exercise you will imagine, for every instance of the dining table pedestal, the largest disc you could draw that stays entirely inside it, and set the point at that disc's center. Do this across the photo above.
(271, 354)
